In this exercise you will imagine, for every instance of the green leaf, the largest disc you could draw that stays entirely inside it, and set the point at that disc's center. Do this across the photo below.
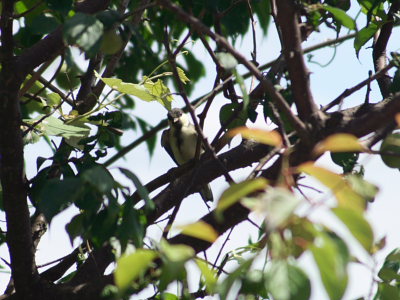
(245, 95)
(159, 91)
(391, 145)
(176, 253)
(144, 194)
(332, 257)
(226, 285)
(238, 190)
(63, 6)
(347, 160)
(133, 89)
(226, 60)
(357, 225)
(228, 113)
(341, 16)
(54, 126)
(263, 12)
(99, 178)
(391, 267)
(151, 142)
(43, 24)
(148, 91)
(175, 257)
(84, 31)
(58, 194)
(364, 35)
(276, 204)
(362, 187)
(167, 296)
(53, 99)
(387, 291)
(182, 76)
(131, 227)
(287, 282)
(210, 275)
(130, 267)
(75, 227)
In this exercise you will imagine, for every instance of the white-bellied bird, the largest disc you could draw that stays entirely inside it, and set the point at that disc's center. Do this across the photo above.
(180, 141)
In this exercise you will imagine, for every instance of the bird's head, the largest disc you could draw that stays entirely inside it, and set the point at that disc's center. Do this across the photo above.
(177, 118)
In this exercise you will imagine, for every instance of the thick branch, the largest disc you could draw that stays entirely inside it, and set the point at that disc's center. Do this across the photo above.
(287, 18)
(19, 239)
(379, 50)
(242, 156)
(364, 119)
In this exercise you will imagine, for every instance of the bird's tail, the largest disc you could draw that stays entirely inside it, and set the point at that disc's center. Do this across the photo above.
(206, 194)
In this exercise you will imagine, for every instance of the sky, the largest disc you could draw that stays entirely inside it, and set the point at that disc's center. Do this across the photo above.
(326, 83)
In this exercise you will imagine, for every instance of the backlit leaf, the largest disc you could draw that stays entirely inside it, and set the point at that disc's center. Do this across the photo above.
(210, 275)
(130, 267)
(332, 258)
(357, 225)
(272, 138)
(226, 60)
(176, 253)
(340, 142)
(344, 194)
(236, 191)
(182, 76)
(54, 126)
(287, 282)
(276, 205)
(200, 230)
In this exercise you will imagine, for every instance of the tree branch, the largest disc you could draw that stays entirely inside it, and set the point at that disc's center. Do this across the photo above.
(242, 156)
(379, 50)
(12, 177)
(287, 19)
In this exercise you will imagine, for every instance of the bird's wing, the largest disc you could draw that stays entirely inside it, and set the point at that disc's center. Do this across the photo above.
(166, 145)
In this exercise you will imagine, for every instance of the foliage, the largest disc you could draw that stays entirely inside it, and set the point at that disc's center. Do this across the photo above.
(140, 52)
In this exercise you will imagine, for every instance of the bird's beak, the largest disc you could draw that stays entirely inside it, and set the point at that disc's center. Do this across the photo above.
(175, 120)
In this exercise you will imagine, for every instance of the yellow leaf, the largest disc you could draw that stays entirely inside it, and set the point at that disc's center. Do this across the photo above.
(238, 190)
(200, 230)
(130, 267)
(339, 142)
(272, 138)
(345, 195)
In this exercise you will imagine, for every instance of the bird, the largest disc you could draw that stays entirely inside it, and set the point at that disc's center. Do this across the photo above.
(180, 142)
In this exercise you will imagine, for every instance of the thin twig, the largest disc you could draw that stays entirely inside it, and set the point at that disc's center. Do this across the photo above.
(350, 91)
(222, 247)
